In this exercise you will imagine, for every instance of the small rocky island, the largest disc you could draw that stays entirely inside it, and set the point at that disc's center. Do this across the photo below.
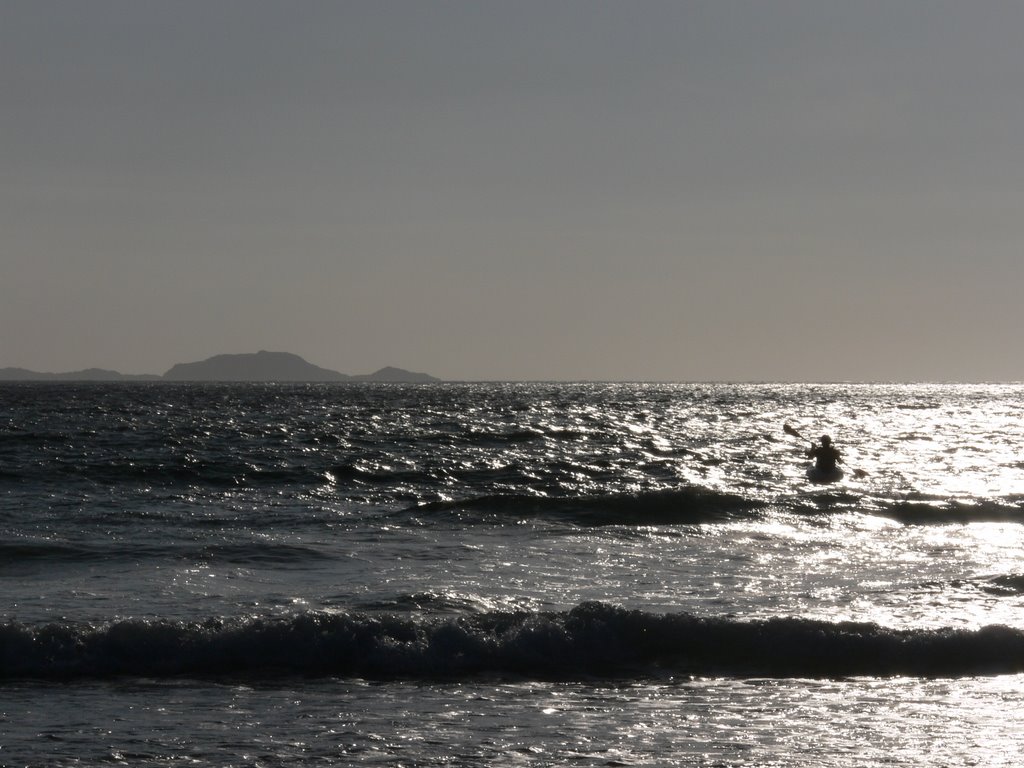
(260, 366)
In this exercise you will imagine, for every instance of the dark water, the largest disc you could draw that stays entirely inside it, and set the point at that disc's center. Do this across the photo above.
(461, 574)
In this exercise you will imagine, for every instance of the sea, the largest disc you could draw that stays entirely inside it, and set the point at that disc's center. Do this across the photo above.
(513, 574)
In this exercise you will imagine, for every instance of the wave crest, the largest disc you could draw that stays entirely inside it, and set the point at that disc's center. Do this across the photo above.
(687, 506)
(952, 511)
(591, 641)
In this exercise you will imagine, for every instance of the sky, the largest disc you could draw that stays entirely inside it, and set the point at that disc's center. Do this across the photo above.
(531, 190)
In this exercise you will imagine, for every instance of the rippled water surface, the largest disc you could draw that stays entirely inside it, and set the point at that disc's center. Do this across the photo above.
(534, 573)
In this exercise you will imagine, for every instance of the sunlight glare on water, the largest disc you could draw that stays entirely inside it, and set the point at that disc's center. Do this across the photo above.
(946, 442)
(487, 540)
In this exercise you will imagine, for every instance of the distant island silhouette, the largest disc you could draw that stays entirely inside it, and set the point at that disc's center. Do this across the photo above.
(259, 366)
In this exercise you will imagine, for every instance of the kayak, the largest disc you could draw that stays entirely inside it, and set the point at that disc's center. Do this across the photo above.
(816, 475)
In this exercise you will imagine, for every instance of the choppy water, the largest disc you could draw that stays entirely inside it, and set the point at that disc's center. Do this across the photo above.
(535, 574)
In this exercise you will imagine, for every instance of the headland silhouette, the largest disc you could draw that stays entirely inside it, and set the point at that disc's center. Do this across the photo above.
(259, 366)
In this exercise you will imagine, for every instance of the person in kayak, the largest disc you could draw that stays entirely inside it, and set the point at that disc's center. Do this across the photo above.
(826, 456)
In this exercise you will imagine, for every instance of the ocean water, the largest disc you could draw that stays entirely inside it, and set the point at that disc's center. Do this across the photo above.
(510, 574)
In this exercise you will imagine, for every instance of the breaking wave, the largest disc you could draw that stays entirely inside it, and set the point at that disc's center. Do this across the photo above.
(591, 641)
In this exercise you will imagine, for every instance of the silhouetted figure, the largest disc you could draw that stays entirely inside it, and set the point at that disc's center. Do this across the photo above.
(826, 456)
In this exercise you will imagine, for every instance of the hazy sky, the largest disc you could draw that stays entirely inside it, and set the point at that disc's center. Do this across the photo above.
(516, 190)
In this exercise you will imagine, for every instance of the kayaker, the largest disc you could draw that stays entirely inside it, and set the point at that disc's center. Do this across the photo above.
(825, 456)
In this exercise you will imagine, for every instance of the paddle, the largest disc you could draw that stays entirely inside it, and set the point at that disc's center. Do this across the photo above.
(789, 429)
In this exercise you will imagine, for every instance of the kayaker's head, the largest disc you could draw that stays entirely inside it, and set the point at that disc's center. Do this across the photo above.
(826, 440)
